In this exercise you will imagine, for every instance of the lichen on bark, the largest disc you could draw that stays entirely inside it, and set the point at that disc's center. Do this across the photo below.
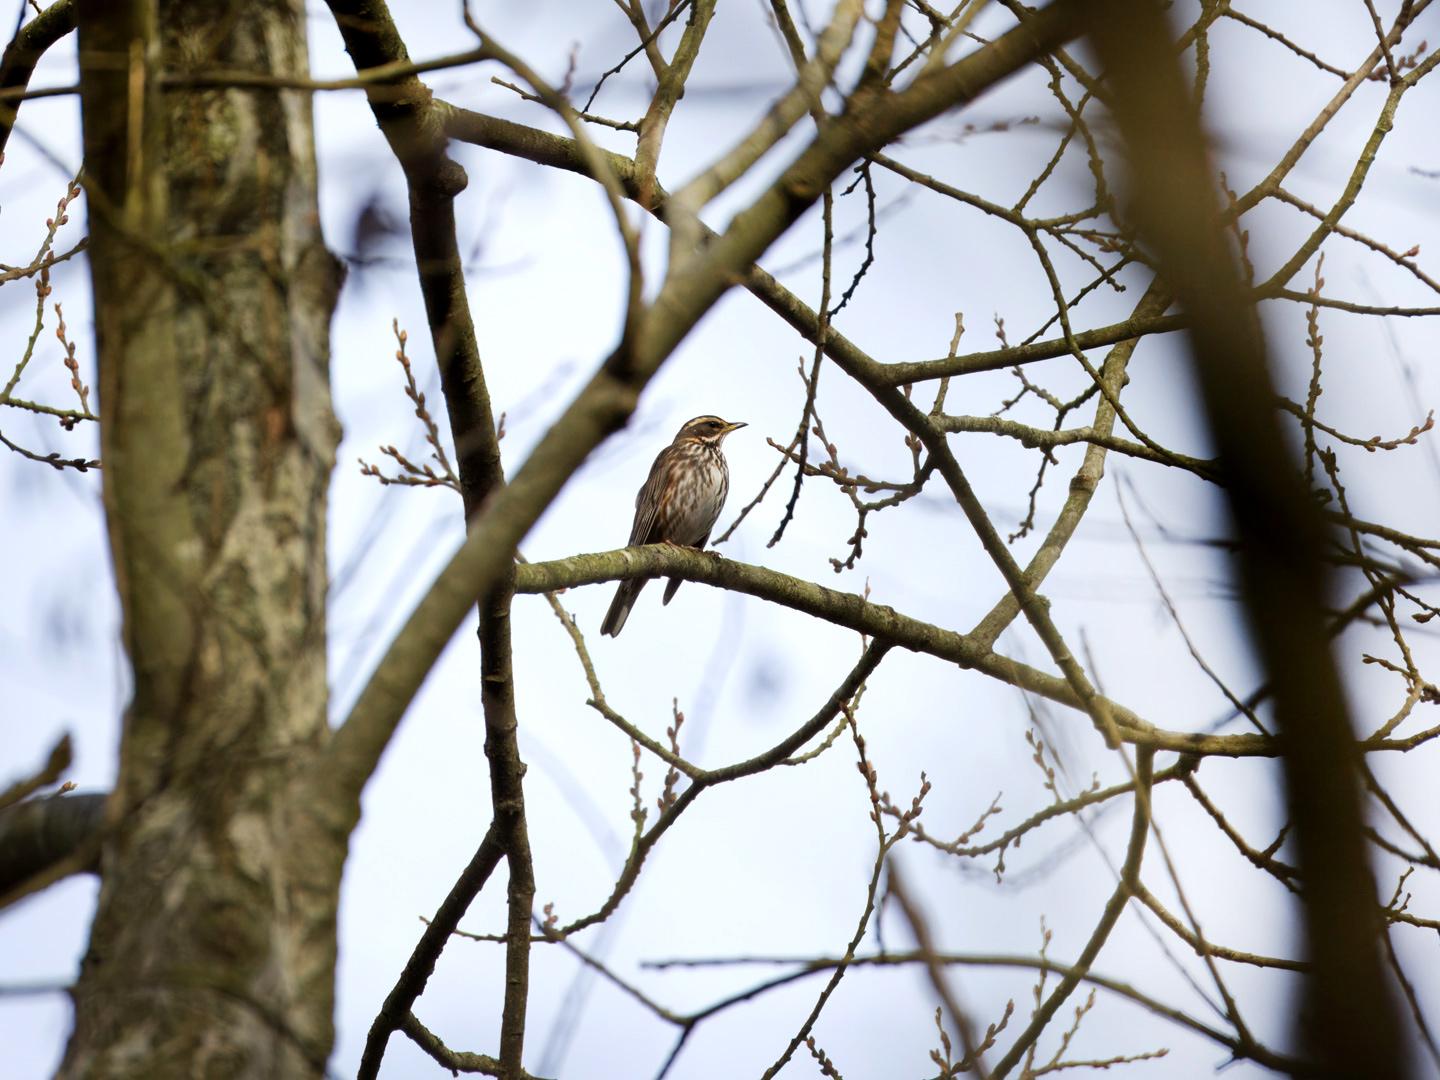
(212, 951)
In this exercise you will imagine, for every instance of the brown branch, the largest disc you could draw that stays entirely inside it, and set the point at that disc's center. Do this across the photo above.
(883, 845)
(1207, 948)
(648, 42)
(55, 765)
(1275, 35)
(24, 52)
(849, 687)
(42, 840)
(457, 1061)
(433, 179)
(417, 971)
(961, 846)
(1241, 1049)
(1048, 439)
(935, 971)
(1297, 150)
(53, 459)
(669, 90)
(1348, 1017)
(1124, 889)
(1000, 359)
(877, 621)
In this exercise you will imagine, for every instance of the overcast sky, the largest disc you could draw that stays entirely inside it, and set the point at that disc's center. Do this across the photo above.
(777, 864)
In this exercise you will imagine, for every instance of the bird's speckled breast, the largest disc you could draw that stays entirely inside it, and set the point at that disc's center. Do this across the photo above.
(700, 482)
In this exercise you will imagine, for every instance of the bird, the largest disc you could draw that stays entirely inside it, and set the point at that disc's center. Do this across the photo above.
(678, 503)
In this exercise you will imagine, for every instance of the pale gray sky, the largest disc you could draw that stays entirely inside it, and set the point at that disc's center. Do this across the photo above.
(776, 864)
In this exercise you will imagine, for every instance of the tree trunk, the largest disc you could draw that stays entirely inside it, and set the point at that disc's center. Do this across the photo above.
(212, 951)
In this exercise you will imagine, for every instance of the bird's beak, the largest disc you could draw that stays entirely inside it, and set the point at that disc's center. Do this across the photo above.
(733, 426)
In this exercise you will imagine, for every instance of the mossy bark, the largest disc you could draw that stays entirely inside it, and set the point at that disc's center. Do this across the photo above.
(212, 952)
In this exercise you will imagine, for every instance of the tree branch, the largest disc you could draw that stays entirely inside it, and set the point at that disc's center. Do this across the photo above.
(1000, 359)
(1124, 889)
(457, 1061)
(411, 984)
(1348, 1017)
(856, 613)
(433, 179)
(24, 52)
(40, 834)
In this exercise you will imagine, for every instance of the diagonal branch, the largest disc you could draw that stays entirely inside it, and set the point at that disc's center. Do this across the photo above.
(24, 52)
(421, 964)
(1129, 882)
(1348, 1016)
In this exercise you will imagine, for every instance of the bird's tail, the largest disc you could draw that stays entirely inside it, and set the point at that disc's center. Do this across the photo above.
(670, 589)
(620, 607)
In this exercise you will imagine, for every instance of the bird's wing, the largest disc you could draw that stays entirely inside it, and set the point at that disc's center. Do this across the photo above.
(647, 501)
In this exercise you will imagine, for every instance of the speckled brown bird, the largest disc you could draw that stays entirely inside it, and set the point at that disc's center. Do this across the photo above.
(679, 503)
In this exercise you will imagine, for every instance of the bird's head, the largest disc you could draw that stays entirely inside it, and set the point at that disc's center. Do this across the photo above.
(706, 429)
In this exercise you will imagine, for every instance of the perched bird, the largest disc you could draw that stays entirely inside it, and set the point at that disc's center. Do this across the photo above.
(678, 504)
